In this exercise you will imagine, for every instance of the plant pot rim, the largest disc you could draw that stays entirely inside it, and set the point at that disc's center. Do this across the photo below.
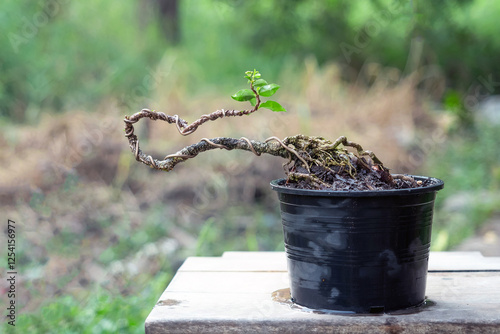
(436, 185)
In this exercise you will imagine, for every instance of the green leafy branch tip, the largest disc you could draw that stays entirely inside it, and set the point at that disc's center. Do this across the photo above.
(258, 88)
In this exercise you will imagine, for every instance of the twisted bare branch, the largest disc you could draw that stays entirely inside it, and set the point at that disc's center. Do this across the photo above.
(304, 151)
(169, 162)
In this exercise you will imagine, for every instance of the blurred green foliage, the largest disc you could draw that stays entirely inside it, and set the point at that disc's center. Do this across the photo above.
(60, 54)
(240, 228)
(100, 311)
(468, 162)
(130, 241)
(119, 303)
(459, 36)
(469, 165)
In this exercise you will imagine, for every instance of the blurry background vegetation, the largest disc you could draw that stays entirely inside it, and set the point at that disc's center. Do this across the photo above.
(100, 236)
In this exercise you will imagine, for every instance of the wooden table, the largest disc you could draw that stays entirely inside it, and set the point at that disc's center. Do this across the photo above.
(234, 294)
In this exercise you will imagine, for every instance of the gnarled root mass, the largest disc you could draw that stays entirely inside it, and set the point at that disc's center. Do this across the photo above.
(332, 167)
(313, 162)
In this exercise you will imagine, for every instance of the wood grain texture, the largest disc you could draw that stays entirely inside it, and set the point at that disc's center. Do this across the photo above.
(233, 294)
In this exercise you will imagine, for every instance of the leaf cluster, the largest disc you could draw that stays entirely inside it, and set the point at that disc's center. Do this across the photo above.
(258, 88)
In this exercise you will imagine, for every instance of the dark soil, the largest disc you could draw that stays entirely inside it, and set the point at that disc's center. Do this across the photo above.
(367, 177)
(320, 164)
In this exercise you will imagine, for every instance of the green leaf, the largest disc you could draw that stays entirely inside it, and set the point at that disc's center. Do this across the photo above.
(244, 95)
(272, 105)
(268, 90)
(253, 102)
(260, 83)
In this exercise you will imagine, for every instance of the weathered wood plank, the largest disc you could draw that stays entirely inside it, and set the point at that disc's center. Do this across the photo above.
(276, 261)
(462, 261)
(254, 255)
(239, 301)
(228, 282)
(232, 264)
(467, 300)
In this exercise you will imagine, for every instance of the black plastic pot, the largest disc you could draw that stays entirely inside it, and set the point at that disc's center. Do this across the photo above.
(359, 251)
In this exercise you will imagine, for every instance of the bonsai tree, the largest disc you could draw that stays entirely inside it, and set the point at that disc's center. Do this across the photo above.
(313, 162)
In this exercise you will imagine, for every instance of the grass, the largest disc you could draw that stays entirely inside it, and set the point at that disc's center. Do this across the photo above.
(469, 165)
(99, 310)
(240, 228)
(102, 277)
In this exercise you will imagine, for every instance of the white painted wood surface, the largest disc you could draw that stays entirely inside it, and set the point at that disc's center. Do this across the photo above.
(233, 294)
